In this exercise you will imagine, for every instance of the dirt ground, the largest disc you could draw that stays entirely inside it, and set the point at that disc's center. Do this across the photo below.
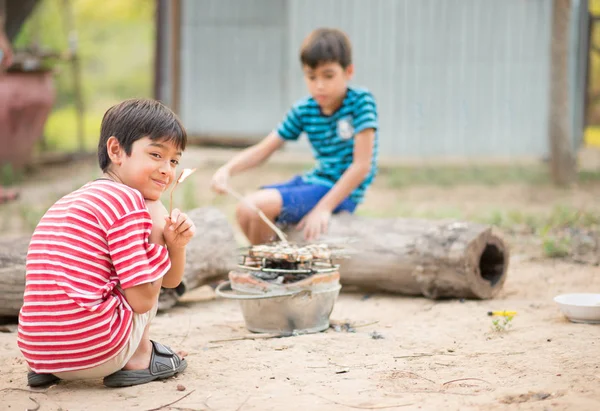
(433, 355)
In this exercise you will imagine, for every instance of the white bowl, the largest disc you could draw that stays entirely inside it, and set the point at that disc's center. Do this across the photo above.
(580, 308)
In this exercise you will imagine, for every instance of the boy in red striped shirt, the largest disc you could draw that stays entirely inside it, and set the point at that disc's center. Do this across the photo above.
(99, 256)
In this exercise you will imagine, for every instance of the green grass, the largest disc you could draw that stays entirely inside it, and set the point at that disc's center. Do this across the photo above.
(554, 229)
(556, 247)
(406, 212)
(448, 176)
(10, 176)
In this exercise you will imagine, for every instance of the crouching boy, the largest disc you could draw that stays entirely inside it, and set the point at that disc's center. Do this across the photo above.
(92, 275)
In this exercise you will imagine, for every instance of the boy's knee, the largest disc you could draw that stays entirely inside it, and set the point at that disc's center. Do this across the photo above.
(244, 213)
(268, 202)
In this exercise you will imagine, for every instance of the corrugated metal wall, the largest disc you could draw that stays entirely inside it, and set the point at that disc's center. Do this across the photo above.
(452, 77)
(232, 66)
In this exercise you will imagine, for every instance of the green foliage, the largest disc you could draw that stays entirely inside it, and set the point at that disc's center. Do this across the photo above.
(9, 175)
(502, 324)
(115, 47)
(61, 130)
(556, 247)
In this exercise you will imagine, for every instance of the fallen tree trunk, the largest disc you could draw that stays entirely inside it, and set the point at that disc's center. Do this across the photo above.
(435, 259)
(210, 255)
(13, 251)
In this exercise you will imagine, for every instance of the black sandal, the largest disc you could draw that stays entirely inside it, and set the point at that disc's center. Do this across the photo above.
(164, 363)
(39, 380)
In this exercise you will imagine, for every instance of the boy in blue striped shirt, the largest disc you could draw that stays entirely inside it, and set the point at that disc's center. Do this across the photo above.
(341, 124)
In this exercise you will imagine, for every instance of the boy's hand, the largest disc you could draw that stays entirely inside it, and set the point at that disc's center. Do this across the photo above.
(179, 229)
(220, 180)
(314, 224)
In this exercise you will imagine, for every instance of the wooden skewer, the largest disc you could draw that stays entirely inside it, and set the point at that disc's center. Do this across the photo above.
(171, 198)
(262, 215)
(185, 173)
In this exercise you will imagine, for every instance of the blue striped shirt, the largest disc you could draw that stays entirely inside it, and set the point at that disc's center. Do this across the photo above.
(332, 137)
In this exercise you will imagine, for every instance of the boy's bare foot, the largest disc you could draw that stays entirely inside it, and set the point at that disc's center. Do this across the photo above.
(163, 363)
(141, 358)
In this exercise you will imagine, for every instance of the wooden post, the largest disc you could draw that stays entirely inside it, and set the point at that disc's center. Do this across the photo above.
(562, 157)
(76, 69)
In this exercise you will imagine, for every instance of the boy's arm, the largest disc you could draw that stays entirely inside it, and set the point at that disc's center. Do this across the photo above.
(143, 297)
(316, 222)
(249, 158)
(157, 212)
(176, 254)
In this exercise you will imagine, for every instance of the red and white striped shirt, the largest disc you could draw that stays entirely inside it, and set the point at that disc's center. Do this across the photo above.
(88, 244)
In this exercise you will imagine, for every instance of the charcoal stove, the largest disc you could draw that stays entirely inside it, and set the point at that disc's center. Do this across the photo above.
(284, 288)
(281, 265)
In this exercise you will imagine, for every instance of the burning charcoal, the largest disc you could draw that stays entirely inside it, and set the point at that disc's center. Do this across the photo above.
(274, 263)
(266, 276)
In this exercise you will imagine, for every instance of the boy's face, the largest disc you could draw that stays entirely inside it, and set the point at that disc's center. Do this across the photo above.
(327, 83)
(150, 168)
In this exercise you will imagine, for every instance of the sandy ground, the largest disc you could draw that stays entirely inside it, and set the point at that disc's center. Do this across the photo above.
(434, 355)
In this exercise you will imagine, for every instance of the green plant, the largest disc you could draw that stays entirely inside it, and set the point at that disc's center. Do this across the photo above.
(9, 175)
(502, 324)
(556, 247)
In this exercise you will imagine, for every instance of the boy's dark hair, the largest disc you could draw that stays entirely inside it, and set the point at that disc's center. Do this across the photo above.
(134, 119)
(326, 45)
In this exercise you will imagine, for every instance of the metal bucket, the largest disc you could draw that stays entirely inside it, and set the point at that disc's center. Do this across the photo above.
(302, 312)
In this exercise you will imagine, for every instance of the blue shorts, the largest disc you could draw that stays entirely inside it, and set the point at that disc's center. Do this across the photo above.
(300, 197)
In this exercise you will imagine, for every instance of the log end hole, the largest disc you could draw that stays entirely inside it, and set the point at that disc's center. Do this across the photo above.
(491, 264)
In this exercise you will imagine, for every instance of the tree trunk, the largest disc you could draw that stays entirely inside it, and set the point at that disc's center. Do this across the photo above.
(13, 251)
(418, 257)
(406, 256)
(210, 255)
(17, 12)
(562, 157)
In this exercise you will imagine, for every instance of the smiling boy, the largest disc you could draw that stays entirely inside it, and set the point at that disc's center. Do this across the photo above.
(341, 125)
(93, 275)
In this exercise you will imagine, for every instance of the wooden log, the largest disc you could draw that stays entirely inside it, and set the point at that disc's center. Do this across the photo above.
(13, 251)
(435, 259)
(210, 256)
